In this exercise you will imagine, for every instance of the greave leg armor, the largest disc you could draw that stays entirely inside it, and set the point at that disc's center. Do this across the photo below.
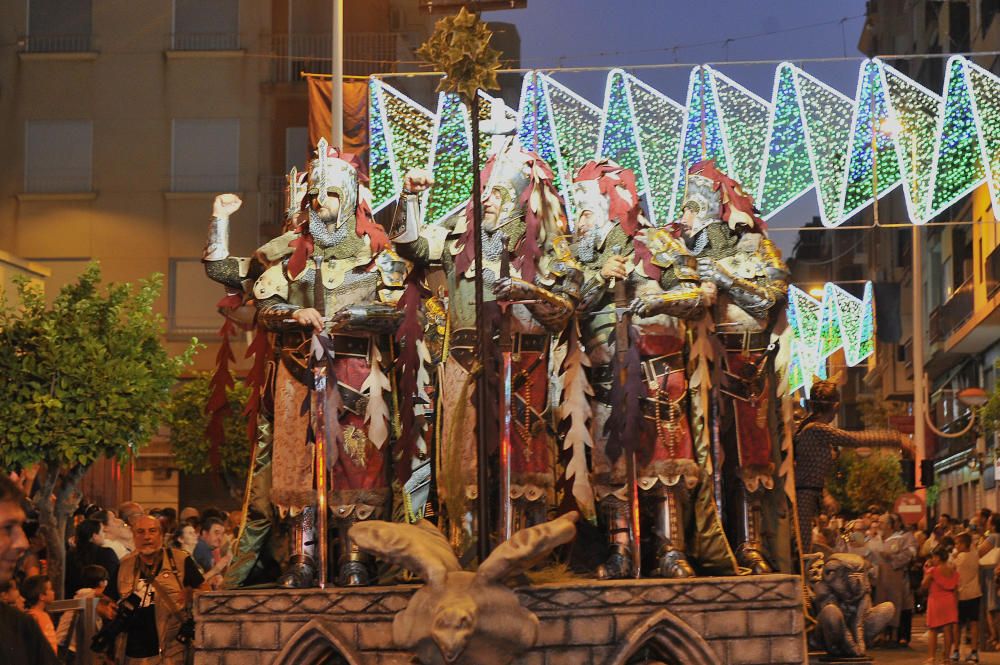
(619, 562)
(750, 553)
(301, 570)
(669, 530)
(354, 564)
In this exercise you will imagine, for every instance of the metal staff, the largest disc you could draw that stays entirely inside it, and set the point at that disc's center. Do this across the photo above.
(623, 322)
(482, 340)
(506, 351)
(319, 415)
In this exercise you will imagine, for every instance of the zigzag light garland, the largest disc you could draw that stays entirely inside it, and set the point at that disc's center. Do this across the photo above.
(809, 136)
(821, 327)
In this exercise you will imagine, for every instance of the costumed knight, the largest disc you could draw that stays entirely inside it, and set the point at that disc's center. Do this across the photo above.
(256, 546)
(522, 220)
(648, 417)
(332, 281)
(722, 229)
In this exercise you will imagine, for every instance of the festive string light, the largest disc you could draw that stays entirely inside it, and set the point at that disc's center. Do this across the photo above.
(871, 113)
(406, 134)
(826, 118)
(821, 327)
(914, 110)
(938, 148)
(745, 118)
(618, 138)
(381, 161)
(958, 164)
(659, 121)
(787, 174)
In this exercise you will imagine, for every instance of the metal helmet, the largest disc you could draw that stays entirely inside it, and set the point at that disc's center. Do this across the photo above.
(330, 175)
(295, 191)
(511, 176)
(703, 199)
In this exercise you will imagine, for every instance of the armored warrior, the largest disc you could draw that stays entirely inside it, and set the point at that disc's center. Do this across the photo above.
(333, 274)
(720, 227)
(662, 291)
(256, 541)
(815, 442)
(522, 217)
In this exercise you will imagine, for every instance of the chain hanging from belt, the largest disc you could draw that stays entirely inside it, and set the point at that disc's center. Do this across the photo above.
(524, 429)
(668, 430)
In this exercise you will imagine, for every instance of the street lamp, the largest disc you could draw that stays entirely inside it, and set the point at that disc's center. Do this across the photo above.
(972, 398)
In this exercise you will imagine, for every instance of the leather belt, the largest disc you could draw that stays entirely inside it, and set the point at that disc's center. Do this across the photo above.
(654, 368)
(354, 401)
(351, 346)
(738, 341)
(465, 338)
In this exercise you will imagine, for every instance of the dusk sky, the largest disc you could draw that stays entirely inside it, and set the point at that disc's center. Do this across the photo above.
(578, 33)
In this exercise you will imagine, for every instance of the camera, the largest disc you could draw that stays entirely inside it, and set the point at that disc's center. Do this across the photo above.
(104, 640)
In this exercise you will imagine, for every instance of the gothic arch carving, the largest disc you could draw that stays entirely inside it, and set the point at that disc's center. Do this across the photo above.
(665, 639)
(316, 643)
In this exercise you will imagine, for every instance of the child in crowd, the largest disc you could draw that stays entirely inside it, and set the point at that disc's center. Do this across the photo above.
(941, 582)
(38, 593)
(966, 562)
(94, 579)
(11, 595)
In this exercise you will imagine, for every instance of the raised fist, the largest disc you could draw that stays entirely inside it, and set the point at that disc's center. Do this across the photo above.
(614, 267)
(225, 205)
(417, 180)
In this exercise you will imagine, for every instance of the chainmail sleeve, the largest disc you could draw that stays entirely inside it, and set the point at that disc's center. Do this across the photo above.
(757, 297)
(842, 438)
(233, 273)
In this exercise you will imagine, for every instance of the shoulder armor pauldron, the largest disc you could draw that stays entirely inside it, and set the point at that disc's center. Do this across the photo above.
(272, 283)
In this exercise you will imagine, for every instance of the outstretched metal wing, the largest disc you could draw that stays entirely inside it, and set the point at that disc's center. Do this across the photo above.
(419, 548)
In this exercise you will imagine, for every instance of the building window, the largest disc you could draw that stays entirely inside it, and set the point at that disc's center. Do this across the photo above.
(205, 155)
(297, 151)
(57, 155)
(191, 308)
(58, 26)
(206, 25)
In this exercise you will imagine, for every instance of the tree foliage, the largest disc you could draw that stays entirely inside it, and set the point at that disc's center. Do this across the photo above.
(861, 481)
(187, 420)
(84, 378)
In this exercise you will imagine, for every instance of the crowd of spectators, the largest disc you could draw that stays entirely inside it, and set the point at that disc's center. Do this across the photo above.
(949, 571)
(140, 565)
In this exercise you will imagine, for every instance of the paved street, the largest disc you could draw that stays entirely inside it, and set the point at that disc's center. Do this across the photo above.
(917, 653)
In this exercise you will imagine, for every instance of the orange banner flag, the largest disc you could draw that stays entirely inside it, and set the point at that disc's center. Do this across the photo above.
(355, 115)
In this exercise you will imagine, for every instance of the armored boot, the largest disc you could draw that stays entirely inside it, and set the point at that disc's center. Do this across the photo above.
(354, 568)
(750, 553)
(619, 564)
(300, 572)
(671, 562)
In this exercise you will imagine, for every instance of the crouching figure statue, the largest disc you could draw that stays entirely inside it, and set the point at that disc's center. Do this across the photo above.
(842, 603)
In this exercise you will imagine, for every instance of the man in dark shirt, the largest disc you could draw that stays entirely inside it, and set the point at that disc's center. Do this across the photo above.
(21, 641)
(162, 580)
(210, 539)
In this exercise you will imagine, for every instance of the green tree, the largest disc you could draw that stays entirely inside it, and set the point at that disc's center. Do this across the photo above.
(84, 378)
(187, 420)
(861, 481)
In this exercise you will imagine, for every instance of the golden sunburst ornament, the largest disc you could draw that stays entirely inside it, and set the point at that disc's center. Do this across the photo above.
(460, 47)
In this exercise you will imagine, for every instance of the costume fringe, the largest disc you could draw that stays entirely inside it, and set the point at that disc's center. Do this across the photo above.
(575, 410)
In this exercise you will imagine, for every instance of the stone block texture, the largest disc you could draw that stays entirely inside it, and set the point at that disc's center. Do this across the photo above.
(742, 620)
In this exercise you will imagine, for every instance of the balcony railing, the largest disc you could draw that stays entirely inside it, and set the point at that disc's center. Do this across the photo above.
(80, 43)
(205, 41)
(991, 274)
(958, 308)
(364, 53)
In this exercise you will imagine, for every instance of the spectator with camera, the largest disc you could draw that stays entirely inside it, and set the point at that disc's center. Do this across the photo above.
(153, 624)
(21, 641)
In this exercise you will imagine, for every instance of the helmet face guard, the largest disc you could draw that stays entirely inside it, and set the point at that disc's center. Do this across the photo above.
(332, 176)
